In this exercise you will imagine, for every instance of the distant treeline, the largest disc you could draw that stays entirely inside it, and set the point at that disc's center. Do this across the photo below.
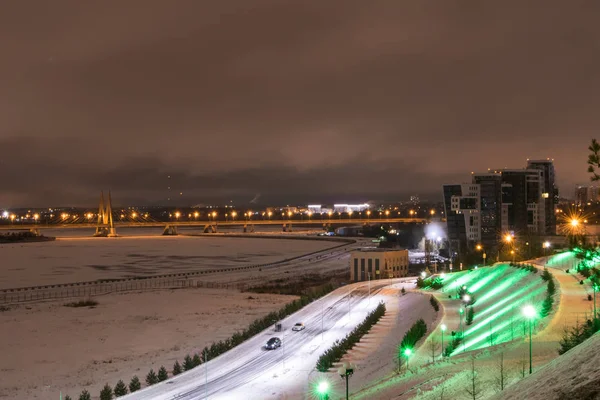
(26, 236)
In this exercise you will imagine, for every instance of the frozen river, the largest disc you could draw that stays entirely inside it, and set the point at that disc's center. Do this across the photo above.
(76, 257)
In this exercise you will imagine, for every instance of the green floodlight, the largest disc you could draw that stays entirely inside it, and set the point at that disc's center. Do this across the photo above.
(461, 310)
(443, 328)
(323, 387)
(529, 312)
(407, 354)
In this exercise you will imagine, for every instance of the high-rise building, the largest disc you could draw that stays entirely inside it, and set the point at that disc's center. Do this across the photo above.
(522, 201)
(490, 186)
(519, 201)
(549, 192)
(461, 207)
(586, 194)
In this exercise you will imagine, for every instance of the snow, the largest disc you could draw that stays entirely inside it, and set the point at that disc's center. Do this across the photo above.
(86, 259)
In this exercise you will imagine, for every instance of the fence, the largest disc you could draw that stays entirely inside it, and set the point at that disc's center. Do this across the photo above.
(83, 290)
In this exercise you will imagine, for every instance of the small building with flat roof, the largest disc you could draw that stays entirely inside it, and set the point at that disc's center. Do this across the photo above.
(374, 263)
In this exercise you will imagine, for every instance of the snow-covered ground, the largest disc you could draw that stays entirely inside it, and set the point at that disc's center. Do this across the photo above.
(86, 259)
(48, 347)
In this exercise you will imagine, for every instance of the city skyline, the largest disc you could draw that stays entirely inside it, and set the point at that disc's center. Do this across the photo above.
(294, 102)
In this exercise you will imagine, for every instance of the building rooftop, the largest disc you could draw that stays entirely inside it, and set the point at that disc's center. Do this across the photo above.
(379, 249)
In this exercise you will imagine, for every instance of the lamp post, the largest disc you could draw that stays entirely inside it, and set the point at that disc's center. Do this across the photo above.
(595, 287)
(443, 328)
(346, 371)
(480, 248)
(546, 246)
(529, 313)
(407, 354)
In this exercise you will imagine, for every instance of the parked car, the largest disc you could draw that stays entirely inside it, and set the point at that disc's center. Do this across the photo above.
(273, 343)
(298, 327)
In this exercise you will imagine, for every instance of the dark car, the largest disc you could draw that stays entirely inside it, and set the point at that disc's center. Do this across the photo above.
(273, 343)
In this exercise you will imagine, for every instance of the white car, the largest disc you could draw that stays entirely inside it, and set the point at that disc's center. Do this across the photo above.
(298, 327)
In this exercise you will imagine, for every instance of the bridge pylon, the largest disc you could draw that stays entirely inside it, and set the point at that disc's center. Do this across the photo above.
(105, 226)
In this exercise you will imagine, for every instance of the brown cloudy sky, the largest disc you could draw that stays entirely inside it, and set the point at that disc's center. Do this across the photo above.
(296, 100)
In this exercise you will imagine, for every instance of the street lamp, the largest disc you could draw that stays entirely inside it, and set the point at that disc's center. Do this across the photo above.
(443, 328)
(346, 371)
(480, 248)
(529, 313)
(423, 274)
(323, 390)
(368, 214)
(407, 354)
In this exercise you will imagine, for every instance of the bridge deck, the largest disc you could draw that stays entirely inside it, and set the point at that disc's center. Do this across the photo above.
(153, 224)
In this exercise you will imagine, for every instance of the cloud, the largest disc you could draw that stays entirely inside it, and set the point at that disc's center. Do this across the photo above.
(267, 92)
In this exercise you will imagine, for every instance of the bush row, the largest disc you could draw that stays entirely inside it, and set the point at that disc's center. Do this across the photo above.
(550, 290)
(434, 303)
(212, 351)
(527, 267)
(341, 347)
(413, 335)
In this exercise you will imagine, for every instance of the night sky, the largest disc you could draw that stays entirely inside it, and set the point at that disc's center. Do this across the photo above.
(298, 101)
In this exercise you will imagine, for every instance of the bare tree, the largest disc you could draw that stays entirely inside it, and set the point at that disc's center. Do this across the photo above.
(523, 365)
(434, 346)
(501, 379)
(474, 389)
(512, 329)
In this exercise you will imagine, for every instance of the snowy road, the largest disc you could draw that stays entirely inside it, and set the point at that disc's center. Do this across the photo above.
(250, 372)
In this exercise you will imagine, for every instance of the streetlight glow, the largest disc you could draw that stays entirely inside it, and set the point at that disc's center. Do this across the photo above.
(529, 311)
(323, 387)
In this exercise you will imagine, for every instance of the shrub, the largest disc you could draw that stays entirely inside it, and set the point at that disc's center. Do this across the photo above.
(176, 368)
(581, 282)
(196, 359)
(341, 347)
(547, 306)
(151, 378)
(590, 298)
(162, 374)
(577, 334)
(434, 303)
(470, 315)
(85, 395)
(420, 282)
(67, 397)
(453, 345)
(585, 272)
(106, 393)
(82, 303)
(120, 389)
(135, 384)
(551, 289)
(546, 275)
(188, 363)
(403, 291)
(414, 334)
